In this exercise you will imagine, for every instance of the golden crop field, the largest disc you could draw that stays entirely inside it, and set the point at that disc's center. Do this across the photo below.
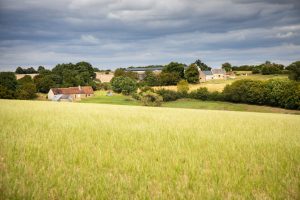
(51, 150)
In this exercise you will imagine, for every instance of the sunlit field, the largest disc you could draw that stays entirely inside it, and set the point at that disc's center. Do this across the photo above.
(219, 84)
(51, 150)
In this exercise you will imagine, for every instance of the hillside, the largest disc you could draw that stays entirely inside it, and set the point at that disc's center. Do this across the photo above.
(54, 150)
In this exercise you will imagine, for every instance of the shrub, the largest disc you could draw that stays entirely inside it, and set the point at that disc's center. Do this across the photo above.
(124, 85)
(151, 79)
(283, 93)
(168, 95)
(103, 86)
(151, 99)
(136, 96)
(245, 91)
(168, 78)
(201, 93)
(183, 86)
(216, 96)
(146, 88)
(26, 91)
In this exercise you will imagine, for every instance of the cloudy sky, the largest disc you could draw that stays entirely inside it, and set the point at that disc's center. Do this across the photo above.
(120, 33)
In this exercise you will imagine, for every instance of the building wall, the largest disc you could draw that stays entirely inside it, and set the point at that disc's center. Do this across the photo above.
(50, 95)
(219, 76)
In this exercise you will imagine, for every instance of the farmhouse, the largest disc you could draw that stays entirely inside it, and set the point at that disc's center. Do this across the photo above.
(205, 76)
(70, 94)
(219, 73)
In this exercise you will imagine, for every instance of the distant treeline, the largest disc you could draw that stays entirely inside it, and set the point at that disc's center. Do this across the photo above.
(62, 75)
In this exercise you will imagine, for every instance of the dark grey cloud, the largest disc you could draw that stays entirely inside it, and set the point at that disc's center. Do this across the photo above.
(115, 33)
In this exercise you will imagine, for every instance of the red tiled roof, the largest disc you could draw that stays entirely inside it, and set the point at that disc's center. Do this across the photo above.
(73, 90)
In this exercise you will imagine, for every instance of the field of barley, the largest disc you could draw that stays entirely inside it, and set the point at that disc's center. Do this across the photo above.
(51, 150)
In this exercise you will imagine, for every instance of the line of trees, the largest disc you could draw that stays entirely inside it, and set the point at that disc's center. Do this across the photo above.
(62, 75)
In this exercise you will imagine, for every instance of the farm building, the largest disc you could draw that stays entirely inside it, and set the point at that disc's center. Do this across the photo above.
(219, 73)
(205, 76)
(70, 94)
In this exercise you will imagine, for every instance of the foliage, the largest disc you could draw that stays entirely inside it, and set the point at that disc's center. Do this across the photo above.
(151, 99)
(8, 80)
(227, 66)
(270, 69)
(6, 93)
(145, 89)
(168, 95)
(168, 78)
(124, 85)
(174, 67)
(274, 92)
(26, 91)
(245, 91)
(25, 79)
(151, 79)
(192, 74)
(183, 86)
(294, 69)
(243, 68)
(122, 72)
(103, 86)
(201, 94)
(29, 70)
(202, 65)
(255, 70)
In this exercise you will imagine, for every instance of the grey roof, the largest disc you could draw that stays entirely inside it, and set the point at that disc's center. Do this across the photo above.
(218, 71)
(207, 72)
(144, 69)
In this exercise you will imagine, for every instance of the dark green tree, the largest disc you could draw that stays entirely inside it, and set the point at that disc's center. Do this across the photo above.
(151, 79)
(192, 74)
(202, 65)
(8, 80)
(294, 69)
(174, 67)
(124, 85)
(227, 66)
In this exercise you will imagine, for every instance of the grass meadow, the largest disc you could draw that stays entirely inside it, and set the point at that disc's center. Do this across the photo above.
(51, 150)
(119, 99)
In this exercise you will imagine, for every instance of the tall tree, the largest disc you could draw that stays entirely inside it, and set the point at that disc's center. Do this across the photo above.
(227, 66)
(202, 65)
(175, 67)
(294, 69)
(192, 74)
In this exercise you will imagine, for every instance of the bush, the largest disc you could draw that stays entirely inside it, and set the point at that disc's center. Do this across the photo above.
(151, 99)
(168, 78)
(124, 85)
(201, 93)
(245, 91)
(183, 86)
(103, 86)
(26, 91)
(6, 93)
(274, 92)
(283, 93)
(215, 96)
(146, 88)
(136, 96)
(168, 95)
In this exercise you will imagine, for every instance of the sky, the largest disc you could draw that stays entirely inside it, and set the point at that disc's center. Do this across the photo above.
(121, 33)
